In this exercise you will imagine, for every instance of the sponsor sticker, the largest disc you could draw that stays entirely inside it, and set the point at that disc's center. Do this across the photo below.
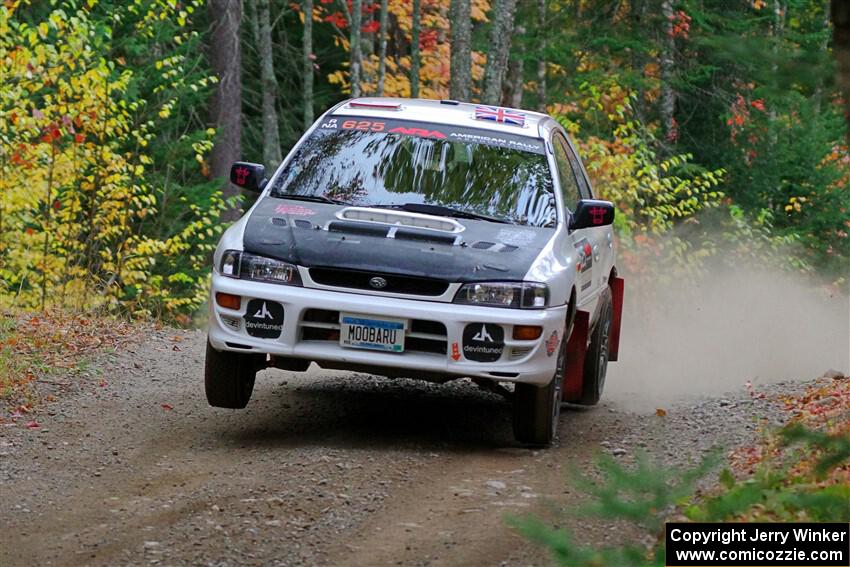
(552, 343)
(294, 210)
(483, 342)
(264, 319)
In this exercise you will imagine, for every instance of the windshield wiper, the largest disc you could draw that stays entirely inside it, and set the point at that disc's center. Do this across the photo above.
(440, 210)
(311, 198)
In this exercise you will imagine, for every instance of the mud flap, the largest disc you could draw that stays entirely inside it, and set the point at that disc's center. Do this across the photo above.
(576, 351)
(617, 288)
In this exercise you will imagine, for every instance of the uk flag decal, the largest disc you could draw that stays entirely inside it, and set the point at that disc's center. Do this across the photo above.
(501, 115)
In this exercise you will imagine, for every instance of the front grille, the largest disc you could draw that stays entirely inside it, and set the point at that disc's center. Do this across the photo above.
(422, 335)
(357, 279)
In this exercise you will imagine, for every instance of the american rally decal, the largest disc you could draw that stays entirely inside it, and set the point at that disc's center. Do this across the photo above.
(436, 131)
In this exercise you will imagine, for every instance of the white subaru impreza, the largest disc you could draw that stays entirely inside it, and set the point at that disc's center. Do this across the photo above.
(423, 239)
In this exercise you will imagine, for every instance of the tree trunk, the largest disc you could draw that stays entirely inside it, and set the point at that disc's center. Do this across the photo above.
(307, 58)
(513, 83)
(841, 50)
(382, 48)
(271, 135)
(502, 16)
(541, 62)
(460, 87)
(414, 50)
(668, 69)
(356, 48)
(226, 102)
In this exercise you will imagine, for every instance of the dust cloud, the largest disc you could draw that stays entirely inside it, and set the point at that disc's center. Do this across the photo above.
(734, 326)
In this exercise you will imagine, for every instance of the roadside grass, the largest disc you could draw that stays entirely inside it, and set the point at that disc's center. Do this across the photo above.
(799, 473)
(49, 349)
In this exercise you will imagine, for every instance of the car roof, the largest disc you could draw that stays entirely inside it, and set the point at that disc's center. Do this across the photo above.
(442, 112)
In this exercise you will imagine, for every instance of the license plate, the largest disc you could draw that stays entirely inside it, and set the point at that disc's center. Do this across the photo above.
(363, 331)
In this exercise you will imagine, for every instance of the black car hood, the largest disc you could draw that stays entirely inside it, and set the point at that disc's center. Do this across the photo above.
(311, 235)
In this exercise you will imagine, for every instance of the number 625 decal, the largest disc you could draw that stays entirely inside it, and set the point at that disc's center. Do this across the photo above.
(364, 125)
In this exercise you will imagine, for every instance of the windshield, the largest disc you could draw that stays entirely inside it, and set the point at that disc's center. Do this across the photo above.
(392, 163)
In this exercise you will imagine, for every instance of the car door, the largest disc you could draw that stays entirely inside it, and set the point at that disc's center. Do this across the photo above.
(602, 236)
(587, 241)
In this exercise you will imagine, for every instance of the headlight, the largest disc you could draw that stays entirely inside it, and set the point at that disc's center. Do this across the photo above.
(516, 295)
(246, 266)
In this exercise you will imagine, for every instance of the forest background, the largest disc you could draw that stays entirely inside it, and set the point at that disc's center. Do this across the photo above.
(717, 127)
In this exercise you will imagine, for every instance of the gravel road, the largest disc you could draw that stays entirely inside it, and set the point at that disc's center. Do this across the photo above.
(322, 468)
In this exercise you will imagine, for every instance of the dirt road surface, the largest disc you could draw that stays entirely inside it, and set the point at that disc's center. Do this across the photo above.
(323, 468)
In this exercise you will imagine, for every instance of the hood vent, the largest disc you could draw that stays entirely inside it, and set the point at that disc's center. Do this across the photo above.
(400, 218)
(363, 229)
(423, 236)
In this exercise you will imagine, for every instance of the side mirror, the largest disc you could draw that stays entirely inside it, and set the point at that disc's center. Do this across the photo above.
(590, 213)
(250, 176)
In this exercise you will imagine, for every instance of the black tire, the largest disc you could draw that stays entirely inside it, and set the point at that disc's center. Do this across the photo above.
(229, 377)
(537, 409)
(596, 360)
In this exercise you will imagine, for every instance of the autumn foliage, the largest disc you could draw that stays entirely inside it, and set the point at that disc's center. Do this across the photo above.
(77, 201)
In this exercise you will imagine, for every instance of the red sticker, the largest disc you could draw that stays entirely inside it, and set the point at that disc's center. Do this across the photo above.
(421, 132)
(455, 351)
(597, 215)
(241, 175)
(552, 343)
(295, 210)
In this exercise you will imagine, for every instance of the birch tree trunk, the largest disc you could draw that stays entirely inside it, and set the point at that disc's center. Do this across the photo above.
(460, 86)
(414, 50)
(668, 69)
(226, 103)
(382, 48)
(307, 58)
(356, 47)
(841, 50)
(271, 135)
(514, 84)
(502, 17)
(541, 62)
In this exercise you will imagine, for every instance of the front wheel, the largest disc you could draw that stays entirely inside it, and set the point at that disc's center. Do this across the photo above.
(229, 377)
(537, 409)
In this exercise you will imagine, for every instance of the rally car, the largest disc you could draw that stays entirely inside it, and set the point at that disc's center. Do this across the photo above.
(422, 239)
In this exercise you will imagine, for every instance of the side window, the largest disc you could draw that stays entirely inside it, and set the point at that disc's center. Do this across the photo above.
(583, 185)
(569, 187)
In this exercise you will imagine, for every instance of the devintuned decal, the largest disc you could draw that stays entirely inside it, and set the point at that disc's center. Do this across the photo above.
(455, 352)
(552, 343)
(483, 342)
(264, 319)
(294, 210)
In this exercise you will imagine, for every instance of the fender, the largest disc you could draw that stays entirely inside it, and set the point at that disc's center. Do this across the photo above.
(617, 289)
(576, 351)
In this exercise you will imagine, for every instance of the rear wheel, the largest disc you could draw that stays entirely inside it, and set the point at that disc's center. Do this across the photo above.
(538, 409)
(229, 377)
(596, 361)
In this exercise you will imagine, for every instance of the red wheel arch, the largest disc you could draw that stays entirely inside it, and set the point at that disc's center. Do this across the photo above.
(576, 351)
(617, 289)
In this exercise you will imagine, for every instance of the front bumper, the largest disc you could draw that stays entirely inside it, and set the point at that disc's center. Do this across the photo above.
(429, 349)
